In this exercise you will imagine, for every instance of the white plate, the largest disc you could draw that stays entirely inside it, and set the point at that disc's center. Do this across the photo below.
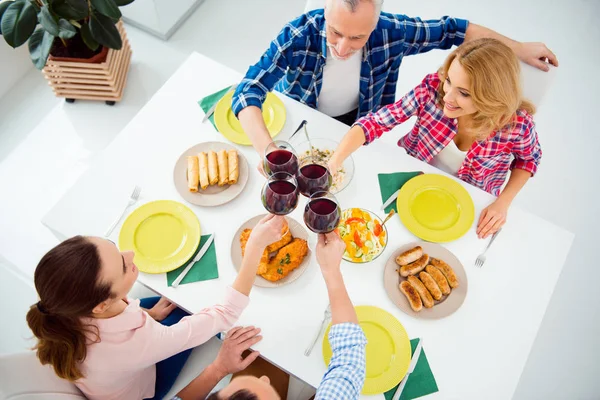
(447, 304)
(213, 195)
(297, 230)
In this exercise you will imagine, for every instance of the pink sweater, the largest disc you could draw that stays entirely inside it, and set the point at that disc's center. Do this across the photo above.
(122, 365)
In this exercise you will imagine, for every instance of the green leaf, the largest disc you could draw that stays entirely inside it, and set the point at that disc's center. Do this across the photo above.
(108, 8)
(87, 37)
(71, 9)
(105, 32)
(18, 23)
(122, 3)
(66, 30)
(39, 47)
(48, 21)
(3, 6)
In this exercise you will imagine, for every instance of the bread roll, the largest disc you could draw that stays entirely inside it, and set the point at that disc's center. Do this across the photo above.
(439, 278)
(411, 295)
(446, 270)
(203, 163)
(234, 172)
(422, 290)
(430, 284)
(415, 267)
(409, 256)
(192, 173)
(223, 167)
(213, 169)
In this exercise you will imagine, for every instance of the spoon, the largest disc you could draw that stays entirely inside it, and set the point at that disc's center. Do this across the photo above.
(392, 212)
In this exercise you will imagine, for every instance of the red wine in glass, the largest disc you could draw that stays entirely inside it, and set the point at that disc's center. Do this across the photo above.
(280, 157)
(280, 194)
(313, 178)
(322, 213)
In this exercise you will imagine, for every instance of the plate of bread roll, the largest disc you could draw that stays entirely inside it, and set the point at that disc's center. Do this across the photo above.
(210, 173)
(425, 280)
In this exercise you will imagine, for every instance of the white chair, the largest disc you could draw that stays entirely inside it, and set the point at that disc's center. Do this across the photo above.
(22, 377)
(536, 83)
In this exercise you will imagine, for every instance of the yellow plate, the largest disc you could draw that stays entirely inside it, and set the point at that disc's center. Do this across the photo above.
(164, 234)
(435, 208)
(388, 349)
(273, 113)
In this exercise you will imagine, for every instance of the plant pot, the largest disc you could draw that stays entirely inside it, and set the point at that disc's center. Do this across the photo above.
(101, 77)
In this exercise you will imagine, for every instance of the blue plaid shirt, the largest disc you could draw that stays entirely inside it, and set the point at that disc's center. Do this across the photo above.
(347, 369)
(293, 63)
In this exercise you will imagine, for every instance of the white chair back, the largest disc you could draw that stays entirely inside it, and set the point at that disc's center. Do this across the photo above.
(22, 377)
(535, 82)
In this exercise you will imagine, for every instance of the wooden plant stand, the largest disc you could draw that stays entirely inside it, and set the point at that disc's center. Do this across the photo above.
(102, 81)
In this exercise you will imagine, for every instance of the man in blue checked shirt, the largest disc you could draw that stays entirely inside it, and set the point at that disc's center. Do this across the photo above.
(346, 371)
(344, 60)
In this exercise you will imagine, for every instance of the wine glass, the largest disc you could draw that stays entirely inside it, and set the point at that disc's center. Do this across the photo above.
(280, 193)
(313, 176)
(280, 156)
(321, 215)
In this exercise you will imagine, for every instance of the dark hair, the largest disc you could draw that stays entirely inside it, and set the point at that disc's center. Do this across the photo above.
(239, 395)
(68, 284)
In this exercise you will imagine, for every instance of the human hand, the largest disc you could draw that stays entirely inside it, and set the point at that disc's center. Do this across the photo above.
(238, 339)
(261, 169)
(267, 231)
(535, 54)
(492, 218)
(162, 309)
(330, 250)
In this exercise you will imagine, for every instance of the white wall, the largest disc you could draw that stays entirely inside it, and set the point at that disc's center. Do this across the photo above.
(14, 64)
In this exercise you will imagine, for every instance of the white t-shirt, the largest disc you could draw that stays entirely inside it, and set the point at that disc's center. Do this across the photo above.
(341, 85)
(449, 159)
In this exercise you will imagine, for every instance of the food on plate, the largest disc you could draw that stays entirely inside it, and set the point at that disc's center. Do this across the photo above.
(414, 267)
(223, 168)
(363, 234)
(446, 270)
(234, 172)
(430, 284)
(422, 290)
(279, 258)
(322, 157)
(192, 173)
(409, 256)
(411, 295)
(287, 259)
(203, 162)
(439, 278)
(212, 168)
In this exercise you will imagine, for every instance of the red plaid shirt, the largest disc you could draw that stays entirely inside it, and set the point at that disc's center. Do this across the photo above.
(487, 162)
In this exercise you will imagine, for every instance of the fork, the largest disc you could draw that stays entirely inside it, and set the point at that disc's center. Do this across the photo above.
(135, 195)
(326, 317)
(481, 258)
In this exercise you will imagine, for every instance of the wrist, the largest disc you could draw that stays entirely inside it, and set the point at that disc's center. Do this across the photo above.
(149, 312)
(332, 274)
(217, 370)
(504, 199)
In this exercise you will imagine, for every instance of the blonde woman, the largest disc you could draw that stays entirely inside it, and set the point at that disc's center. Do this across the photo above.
(472, 122)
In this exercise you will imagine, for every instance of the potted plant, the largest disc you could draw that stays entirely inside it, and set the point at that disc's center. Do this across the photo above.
(77, 43)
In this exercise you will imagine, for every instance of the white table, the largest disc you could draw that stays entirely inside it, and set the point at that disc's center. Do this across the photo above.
(479, 352)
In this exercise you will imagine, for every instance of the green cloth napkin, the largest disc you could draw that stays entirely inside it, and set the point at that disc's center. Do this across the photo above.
(389, 183)
(202, 270)
(420, 383)
(210, 100)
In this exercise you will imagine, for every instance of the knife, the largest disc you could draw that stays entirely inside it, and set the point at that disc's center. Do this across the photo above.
(211, 110)
(195, 260)
(390, 199)
(411, 368)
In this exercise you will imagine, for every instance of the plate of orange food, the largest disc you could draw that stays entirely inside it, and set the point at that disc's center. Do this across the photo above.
(282, 262)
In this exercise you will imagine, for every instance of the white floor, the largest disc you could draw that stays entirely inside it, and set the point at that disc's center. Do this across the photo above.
(36, 169)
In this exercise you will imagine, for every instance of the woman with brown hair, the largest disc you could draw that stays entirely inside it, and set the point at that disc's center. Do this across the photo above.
(94, 336)
(472, 122)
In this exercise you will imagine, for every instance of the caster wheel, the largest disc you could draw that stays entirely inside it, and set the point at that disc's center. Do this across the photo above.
(110, 103)
(70, 100)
